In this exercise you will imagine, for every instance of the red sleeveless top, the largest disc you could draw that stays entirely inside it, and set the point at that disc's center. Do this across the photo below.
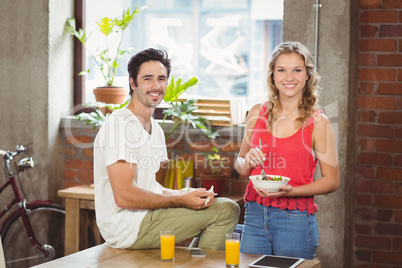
(291, 157)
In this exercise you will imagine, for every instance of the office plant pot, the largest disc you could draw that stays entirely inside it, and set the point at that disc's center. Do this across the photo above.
(112, 95)
(217, 180)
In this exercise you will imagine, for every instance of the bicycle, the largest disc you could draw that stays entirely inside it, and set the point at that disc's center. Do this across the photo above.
(33, 232)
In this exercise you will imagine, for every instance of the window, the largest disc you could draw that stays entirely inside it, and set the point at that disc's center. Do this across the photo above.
(225, 43)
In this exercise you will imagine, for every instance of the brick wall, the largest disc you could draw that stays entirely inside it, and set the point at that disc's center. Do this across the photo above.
(183, 144)
(78, 156)
(378, 192)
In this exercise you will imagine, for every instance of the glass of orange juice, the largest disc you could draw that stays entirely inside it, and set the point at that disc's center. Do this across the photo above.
(167, 244)
(232, 249)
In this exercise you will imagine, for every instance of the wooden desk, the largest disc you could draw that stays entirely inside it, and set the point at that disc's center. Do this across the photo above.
(78, 201)
(103, 256)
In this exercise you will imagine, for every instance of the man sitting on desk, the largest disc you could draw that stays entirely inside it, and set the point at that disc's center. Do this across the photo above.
(131, 206)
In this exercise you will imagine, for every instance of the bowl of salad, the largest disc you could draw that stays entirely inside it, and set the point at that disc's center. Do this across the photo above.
(272, 184)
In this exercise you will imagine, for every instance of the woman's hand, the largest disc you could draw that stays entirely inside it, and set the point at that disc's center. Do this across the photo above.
(255, 157)
(283, 190)
(245, 161)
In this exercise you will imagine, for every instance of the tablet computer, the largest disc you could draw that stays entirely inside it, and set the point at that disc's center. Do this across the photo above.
(269, 261)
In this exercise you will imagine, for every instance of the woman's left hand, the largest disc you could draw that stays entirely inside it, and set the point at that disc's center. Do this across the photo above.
(283, 190)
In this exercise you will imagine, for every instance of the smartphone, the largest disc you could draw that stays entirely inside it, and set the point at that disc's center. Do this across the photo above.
(198, 253)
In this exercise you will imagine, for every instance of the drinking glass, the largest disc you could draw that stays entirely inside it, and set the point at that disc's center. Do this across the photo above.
(232, 249)
(167, 244)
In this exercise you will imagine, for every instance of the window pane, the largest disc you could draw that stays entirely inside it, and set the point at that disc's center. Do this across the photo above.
(172, 31)
(214, 4)
(216, 41)
(167, 4)
(224, 49)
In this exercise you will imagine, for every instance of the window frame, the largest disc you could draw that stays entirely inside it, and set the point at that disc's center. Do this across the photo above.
(79, 55)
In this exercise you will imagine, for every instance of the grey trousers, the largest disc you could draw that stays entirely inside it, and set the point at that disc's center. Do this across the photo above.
(211, 223)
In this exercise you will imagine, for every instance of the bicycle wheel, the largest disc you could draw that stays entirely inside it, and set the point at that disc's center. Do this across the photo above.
(47, 223)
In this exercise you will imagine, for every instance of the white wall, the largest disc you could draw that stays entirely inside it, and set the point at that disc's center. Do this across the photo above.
(36, 85)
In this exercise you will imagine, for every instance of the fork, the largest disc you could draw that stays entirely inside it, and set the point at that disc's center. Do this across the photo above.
(264, 176)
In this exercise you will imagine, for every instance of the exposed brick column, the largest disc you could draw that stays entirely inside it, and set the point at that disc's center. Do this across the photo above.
(378, 196)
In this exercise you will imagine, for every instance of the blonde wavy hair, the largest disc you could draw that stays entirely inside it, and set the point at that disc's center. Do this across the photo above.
(308, 104)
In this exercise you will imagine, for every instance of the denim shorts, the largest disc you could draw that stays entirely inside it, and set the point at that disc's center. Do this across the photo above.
(281, 232)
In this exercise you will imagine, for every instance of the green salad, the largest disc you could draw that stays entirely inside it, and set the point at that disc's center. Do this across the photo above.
(269, 178)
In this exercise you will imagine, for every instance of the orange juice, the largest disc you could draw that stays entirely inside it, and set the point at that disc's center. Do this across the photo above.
(167, 247)
(232, 252)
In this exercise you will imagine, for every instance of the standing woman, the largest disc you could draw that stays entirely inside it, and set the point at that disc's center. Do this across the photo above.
(295, 135)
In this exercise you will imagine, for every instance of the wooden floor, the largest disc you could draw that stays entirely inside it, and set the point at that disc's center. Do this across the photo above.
(103, 256)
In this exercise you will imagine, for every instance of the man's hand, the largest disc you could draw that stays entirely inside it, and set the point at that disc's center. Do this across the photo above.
(196, 199)
(126, 195)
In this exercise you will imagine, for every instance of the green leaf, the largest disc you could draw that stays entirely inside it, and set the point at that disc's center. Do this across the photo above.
(103, 53)
(96, 118)
(106, 26)
(127, 17)
(115, 64)
(117, 106)
(71, 29)
(70, 24)
(168, 93)
(176, 88)
(126, 51)
(210, 133)
(84, 72)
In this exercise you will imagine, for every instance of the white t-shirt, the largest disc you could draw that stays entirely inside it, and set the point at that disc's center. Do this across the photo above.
(122, 137)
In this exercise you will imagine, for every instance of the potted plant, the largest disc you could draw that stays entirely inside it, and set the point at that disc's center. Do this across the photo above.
(105, 58)
(181, 112)
(215, 177)
(97, 114)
